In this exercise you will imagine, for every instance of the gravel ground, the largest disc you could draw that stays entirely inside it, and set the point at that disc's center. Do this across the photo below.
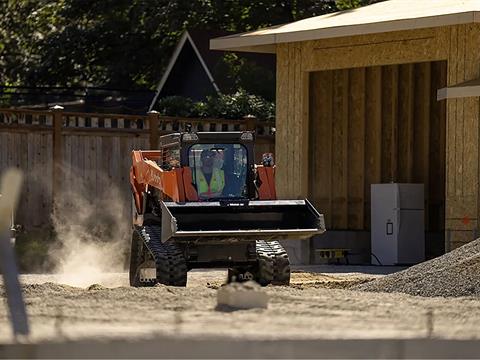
(456, 273)
(315, 306)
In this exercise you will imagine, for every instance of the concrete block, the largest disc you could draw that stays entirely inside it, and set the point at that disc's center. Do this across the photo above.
(247, 295)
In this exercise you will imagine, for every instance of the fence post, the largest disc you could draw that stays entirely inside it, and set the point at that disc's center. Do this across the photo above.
(57, 112)
(153, 122)
(250, 122)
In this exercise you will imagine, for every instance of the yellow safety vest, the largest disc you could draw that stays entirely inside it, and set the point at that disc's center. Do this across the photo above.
(215, 188)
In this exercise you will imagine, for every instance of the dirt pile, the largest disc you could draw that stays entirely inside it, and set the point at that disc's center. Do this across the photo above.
(456, 273)
(305, 280)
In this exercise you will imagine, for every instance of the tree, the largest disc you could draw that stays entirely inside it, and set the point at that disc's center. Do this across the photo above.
(123, 43)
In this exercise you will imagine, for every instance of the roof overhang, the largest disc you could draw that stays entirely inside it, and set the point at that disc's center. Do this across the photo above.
(387, 16)
(469, 88)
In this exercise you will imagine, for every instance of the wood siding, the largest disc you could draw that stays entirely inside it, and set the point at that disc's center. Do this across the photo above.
(95, 168)
(295, 61)
(31, 153)
(462, 193)
(394, 53)
(375, 125)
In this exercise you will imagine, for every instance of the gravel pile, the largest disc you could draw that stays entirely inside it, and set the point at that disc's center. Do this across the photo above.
(456, 273)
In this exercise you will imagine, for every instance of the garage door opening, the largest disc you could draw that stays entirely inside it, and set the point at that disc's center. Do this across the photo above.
(377, 125)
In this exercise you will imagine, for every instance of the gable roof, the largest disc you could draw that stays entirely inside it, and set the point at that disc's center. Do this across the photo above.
(391, 15)
(206, 75)
(201, 54)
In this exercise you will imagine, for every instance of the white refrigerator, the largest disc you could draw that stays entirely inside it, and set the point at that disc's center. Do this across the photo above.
(398, 229)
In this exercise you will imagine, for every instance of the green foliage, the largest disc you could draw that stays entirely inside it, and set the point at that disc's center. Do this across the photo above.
(5, 98)
(352, 4)
(200, 109)
(175, 106)
(237, 105)
(32, 249)
(234, 106)
(236, 72)
(127, 43)
(119, 43)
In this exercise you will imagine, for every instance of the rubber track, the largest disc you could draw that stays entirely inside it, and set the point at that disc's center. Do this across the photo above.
(265, 259)
(169, 260)
(281, 274)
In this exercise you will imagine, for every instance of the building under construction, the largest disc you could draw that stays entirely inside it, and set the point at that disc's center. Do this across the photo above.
(384, 93)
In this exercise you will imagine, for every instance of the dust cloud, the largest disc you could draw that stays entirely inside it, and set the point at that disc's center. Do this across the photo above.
(92, 234)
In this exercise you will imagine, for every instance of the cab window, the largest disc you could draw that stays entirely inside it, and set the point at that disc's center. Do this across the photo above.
(219, 170)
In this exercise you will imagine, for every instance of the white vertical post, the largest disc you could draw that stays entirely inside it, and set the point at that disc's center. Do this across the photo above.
(10, 188)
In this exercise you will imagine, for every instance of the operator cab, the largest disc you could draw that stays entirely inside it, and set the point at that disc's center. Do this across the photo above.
(219, 162)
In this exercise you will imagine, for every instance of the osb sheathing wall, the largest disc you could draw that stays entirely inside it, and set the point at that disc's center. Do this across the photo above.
(459, 45)
(375, 125)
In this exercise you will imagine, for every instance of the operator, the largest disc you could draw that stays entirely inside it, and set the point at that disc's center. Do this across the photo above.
(210, 178)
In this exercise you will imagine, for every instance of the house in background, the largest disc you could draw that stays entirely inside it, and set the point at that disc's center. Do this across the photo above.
(195, 71)
(357, 104)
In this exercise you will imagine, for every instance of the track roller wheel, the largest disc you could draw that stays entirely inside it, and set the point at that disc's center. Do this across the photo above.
(239, 275)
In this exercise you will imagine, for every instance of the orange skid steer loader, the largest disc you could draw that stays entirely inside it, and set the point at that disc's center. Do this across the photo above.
(201, 202)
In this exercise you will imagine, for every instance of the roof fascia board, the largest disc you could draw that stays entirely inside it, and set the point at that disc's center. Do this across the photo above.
(263, 49)
(341, 31)
(242, 41)
(171, 63)
(380, 27)
(204, 65)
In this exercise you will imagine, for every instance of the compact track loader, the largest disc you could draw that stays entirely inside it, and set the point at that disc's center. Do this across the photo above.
(201, 202)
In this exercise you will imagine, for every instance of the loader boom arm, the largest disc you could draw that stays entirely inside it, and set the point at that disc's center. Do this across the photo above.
(175, 184)
(266, 187)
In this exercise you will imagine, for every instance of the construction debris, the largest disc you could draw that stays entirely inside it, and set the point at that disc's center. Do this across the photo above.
(247, 295)
(456, 273)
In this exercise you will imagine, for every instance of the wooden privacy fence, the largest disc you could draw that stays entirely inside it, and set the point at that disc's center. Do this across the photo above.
(88, 154)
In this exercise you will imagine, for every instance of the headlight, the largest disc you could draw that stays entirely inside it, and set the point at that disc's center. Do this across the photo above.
(246, 136)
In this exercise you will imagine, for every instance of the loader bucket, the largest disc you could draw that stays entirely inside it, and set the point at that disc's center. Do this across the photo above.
(240, 221)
